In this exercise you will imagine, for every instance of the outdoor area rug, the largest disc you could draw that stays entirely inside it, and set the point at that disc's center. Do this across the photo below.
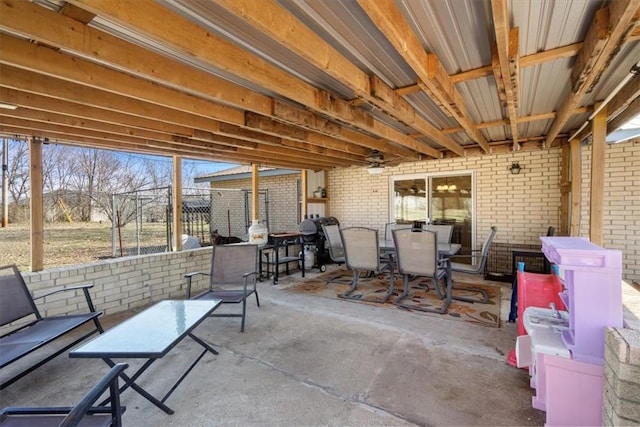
(334, 283)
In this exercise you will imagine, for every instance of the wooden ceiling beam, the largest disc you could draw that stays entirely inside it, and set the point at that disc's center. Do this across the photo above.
(618, 106)
(632, 110)
(100, 133)
(76, 13)
(613, 24)
(101, 46)
(280, 25)
(21, 80)
(205, 140)
(313, 139)
(46, 26)
(28, 81)
(188, 147)
(187, 38)
(22, 54)
(537, 58)
(289, 113)
(521, 119)
(505, 64)
(432, 77)
(35, 101)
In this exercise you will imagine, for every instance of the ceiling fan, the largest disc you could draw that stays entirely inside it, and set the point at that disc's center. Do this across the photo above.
(376, 163)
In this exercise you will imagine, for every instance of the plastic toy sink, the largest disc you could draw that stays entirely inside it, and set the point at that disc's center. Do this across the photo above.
(537, 317)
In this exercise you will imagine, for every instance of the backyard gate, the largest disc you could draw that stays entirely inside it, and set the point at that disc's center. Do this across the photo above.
(142, 219)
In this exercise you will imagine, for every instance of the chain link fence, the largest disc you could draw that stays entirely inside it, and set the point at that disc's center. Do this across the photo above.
(142, 219)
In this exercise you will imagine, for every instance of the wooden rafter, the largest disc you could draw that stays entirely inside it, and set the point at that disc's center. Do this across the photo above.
(85, 101)
(537, 58)
(505, 64)
(607, 32)
(149, 65)
(180, 34)
(277, 23)
(432, 76)
(141, 76)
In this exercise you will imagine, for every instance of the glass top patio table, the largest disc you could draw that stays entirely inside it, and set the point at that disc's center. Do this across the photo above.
(150, 333)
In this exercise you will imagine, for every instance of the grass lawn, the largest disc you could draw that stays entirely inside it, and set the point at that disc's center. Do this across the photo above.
(71, 243)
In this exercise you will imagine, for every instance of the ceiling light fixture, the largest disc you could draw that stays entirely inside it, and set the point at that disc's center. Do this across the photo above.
(8, 106)
(375, 170)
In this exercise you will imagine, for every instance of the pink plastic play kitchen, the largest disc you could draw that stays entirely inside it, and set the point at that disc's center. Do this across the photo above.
(564, 348)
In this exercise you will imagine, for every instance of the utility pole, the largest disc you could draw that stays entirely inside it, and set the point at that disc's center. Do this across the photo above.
(5, 183)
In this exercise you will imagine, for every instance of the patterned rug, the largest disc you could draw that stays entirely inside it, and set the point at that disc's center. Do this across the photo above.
(370, 289)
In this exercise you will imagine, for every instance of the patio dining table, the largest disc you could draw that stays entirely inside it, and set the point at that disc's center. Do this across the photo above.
(445, 250)
(150, 335)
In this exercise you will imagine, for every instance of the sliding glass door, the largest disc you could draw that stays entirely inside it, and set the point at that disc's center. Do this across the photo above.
(409, 200)
(451, 203)
(439, 199)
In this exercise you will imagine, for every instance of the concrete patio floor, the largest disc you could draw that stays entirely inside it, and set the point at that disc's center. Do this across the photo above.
(310, 361)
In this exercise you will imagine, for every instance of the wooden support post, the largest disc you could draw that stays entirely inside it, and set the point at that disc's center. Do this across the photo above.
(176, 197)
(576, 187)
(255, 192)
(303, 193)
(596, 217)
(5, 182)
(37, 217)
(565, 190)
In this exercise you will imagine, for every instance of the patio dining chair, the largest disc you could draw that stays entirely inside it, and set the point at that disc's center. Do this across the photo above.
(232, 279)
(417, 256)
(362, 254)
(334, 242)
(479, 259)
(390, 226)
(444, 232)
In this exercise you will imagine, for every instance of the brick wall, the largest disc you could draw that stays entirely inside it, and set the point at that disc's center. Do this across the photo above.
(621, 400)
(621, 203)
(283, 198)
(119, 284)
(521, 206)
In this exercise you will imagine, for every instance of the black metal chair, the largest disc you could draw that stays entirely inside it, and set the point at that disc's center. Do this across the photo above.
(417, 255)
(83, 413)
(232, 279)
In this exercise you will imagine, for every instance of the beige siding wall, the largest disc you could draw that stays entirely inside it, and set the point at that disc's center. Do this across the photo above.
(621, 203)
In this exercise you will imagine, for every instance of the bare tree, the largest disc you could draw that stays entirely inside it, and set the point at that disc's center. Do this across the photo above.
(57, 172)
(18, 180)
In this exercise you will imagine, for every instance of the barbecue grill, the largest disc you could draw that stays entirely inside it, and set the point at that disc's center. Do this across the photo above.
(313, 239)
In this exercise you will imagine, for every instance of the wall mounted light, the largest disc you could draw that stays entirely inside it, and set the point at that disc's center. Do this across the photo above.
(515, 168)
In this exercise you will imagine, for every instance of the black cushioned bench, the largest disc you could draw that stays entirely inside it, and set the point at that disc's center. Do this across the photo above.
(16, 303)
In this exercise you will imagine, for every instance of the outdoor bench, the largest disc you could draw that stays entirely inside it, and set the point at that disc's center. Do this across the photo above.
(16, 302)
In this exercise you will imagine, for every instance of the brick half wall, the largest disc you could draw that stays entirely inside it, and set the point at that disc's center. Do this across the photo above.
(120, 284)
(621, 400)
